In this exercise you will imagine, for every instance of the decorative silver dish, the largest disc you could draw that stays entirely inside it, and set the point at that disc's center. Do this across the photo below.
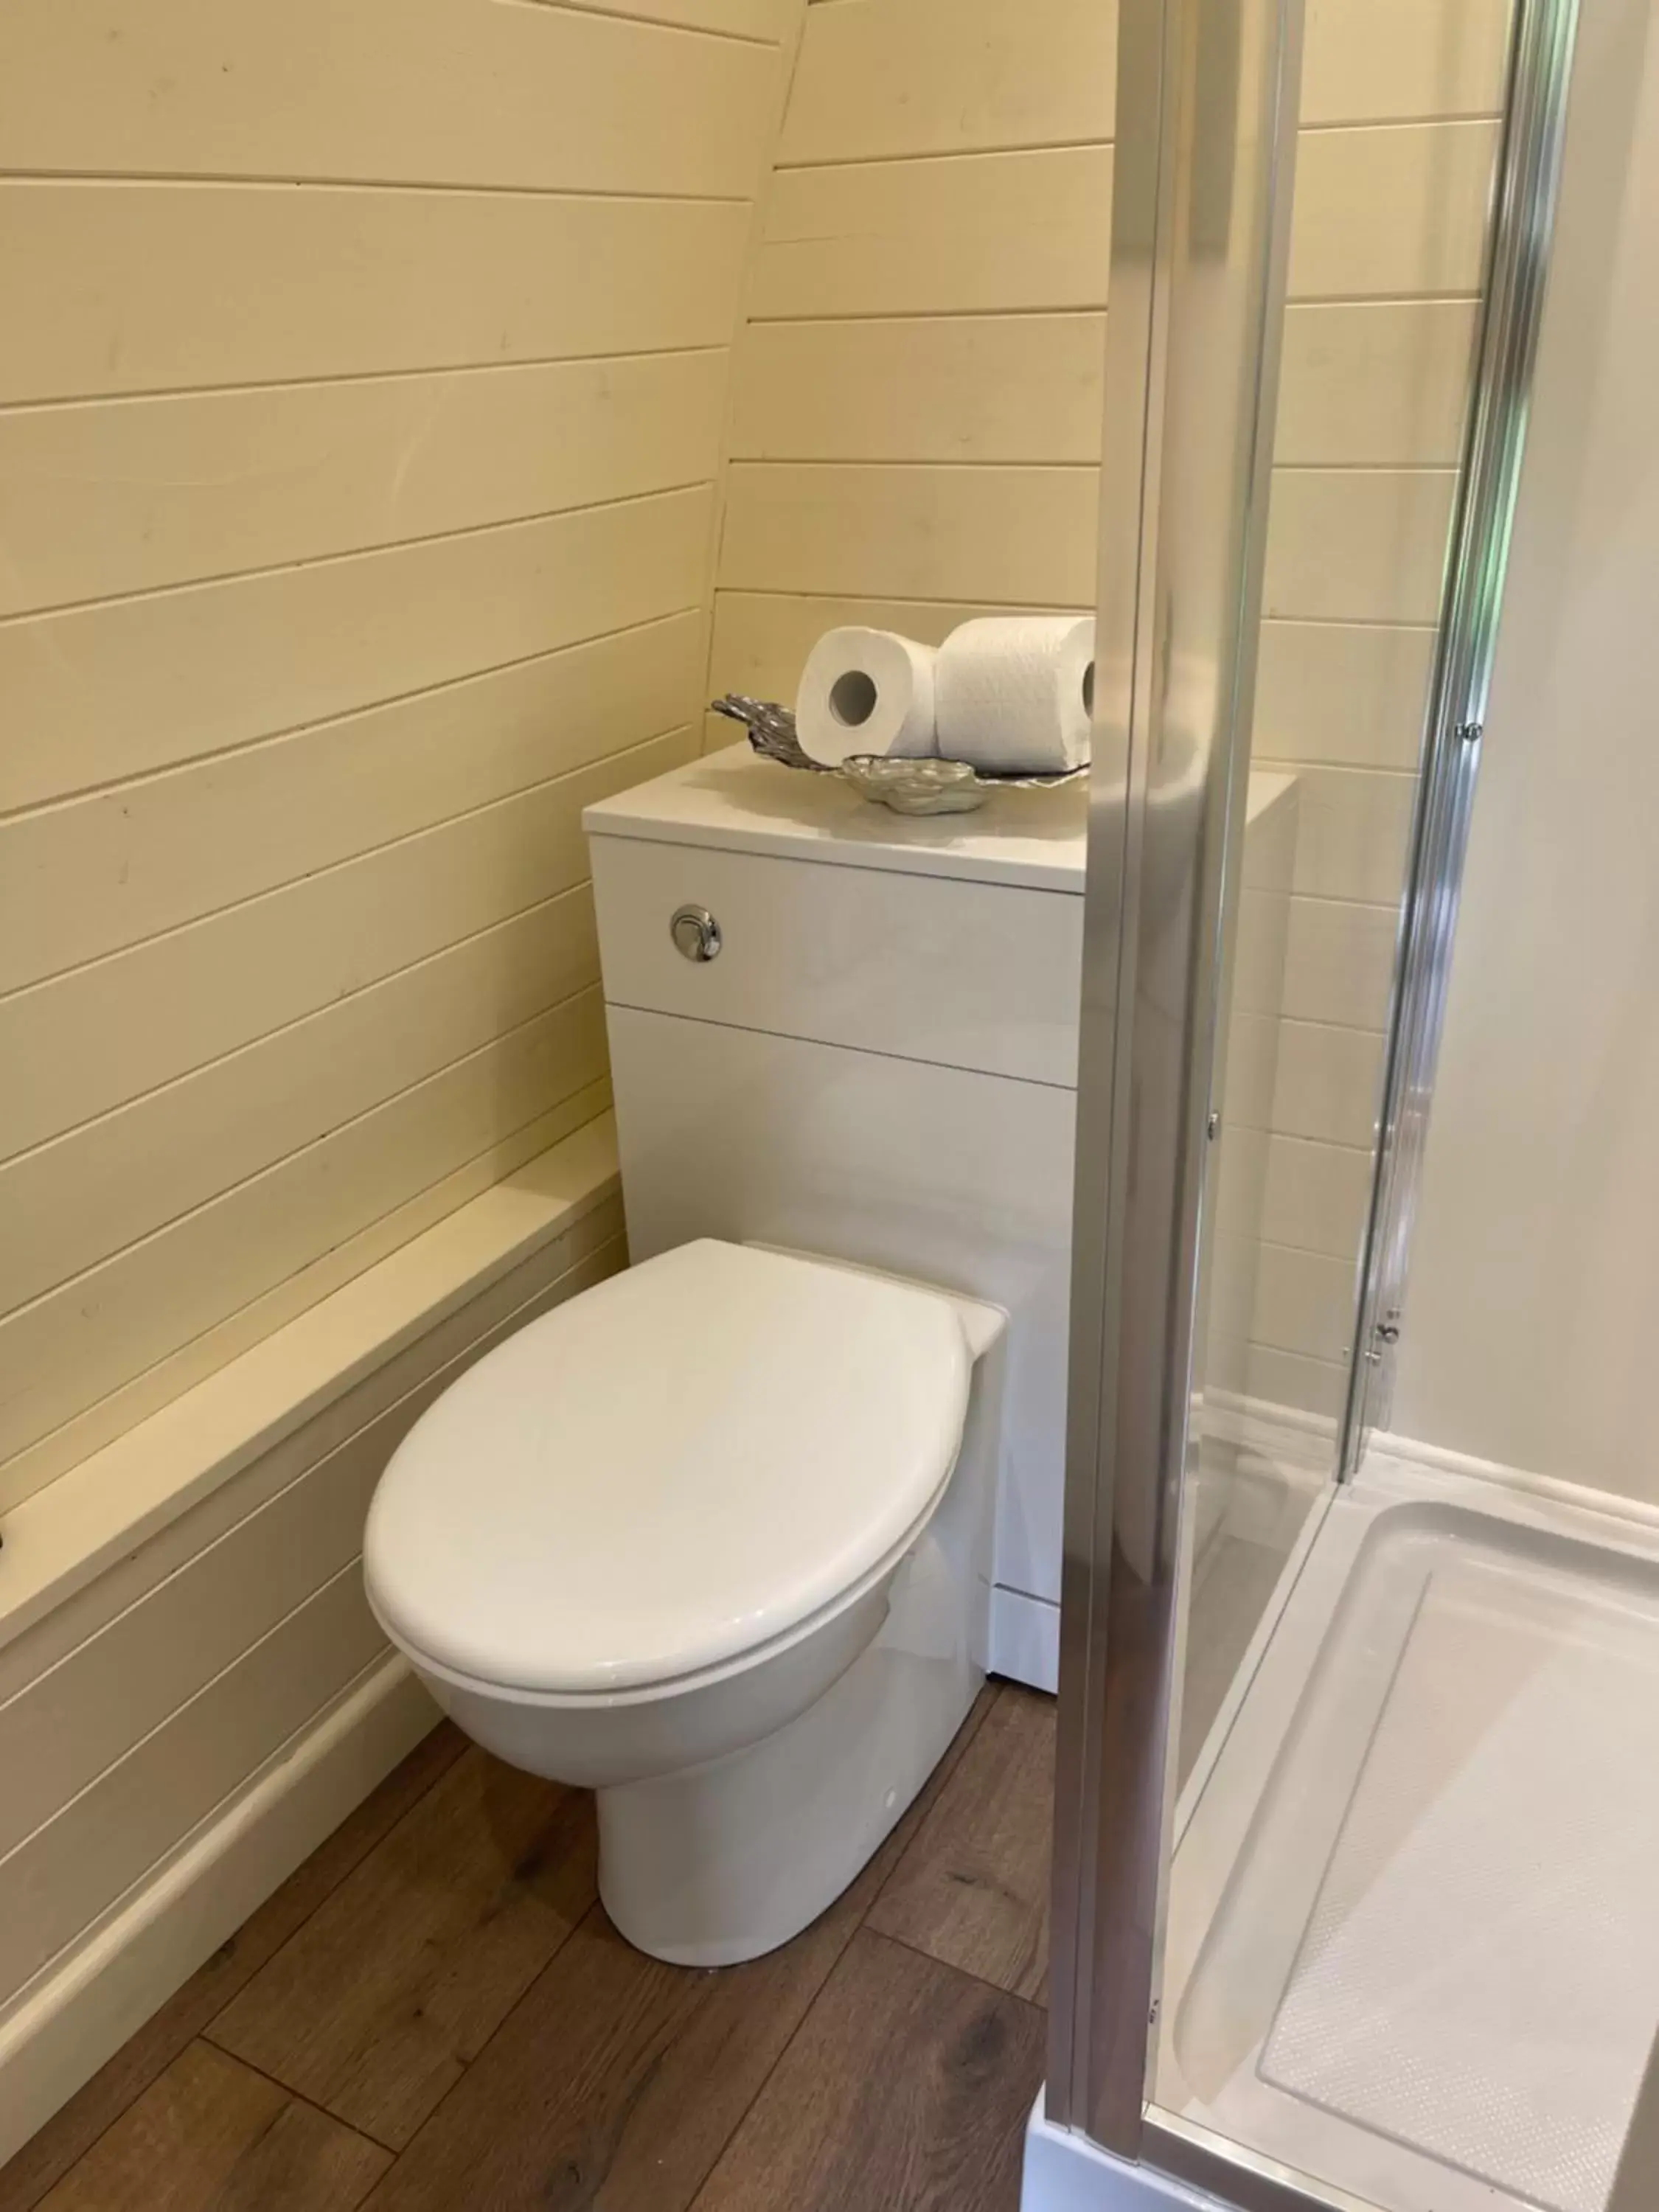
(908, 786)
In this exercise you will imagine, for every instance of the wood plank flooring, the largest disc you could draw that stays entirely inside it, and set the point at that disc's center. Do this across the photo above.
(433, 2014)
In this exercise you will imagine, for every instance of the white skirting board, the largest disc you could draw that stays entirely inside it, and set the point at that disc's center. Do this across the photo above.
(84, 2009)
(1066, 2172)
(1025, 1640)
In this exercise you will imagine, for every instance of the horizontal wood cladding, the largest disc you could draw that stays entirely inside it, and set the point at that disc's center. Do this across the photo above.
(98, 1331)
(911, 78)
(1392, 213)
(1349, 694)
(129, 1517)
(1400, 60)
(976, 233)
(213, 1586)
(1022, 536)
(1353, 694)
(119, 1027)
(732, 19)
(884, 78)
(1357, 544)
(70, 1870)
(1379, 213)
(880, 79)
(1362, 383)
(985, 387)
(134, 495)
(154, 852)
(72, 1203)
(1343, 544)
(1375, 383)
(130, 685)
(152, 287)
(421, 92)
(363, 381)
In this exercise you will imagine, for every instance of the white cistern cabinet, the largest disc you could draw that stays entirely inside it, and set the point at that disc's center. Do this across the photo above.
(847, 1031)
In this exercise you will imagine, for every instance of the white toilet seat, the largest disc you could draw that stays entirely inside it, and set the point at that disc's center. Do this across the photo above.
(745, 1661)
(680, 1475)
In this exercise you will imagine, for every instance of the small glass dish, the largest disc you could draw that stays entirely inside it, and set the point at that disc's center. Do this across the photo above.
(916, 787)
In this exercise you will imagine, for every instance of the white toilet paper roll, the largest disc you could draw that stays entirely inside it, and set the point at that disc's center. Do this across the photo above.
(867, 691)
(1016, 692)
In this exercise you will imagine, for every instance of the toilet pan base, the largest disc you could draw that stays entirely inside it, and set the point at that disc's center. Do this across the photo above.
(714, 1864)
(732, 1813)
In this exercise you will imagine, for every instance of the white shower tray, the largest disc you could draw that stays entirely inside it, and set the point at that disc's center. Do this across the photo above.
(1414, 1936)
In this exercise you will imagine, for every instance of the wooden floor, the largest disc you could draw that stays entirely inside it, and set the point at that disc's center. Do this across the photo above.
(434, 2014)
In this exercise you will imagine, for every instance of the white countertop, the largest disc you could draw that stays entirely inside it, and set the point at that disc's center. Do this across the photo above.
(735, 801)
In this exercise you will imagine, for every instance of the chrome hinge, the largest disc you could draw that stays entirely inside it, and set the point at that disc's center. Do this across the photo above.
(1386, 1333)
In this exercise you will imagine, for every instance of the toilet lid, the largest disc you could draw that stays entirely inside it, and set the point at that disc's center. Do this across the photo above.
(668, 1470)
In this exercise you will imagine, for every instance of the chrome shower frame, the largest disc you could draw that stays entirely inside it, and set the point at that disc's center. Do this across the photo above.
(1526, 189)
(1164, 827)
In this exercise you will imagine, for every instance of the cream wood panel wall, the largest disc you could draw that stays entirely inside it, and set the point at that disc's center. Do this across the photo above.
(363, 386)
(131, 1714)
(916, 426)
(435, 92)
(130, 497)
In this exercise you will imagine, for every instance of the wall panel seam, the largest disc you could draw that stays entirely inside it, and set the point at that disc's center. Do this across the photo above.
(155, 1090)
(1365, 468)
(1305, 765)
(933, 465)
(945, 153)
(789, 54)
(269, 1167)
(941, 314)
(196, 762)
(933, 315)
(352, 860)
(1304, 1251)
(1347, 621)
(928, 467)
(1378, 907)
(175, 391)
(1429, 120)
(208, 180)
(38, 1447)
(307, 561)
(14, 2000)
(313, 1468)
(1326, 1029)
(652, 22)
(178, 1712)
(1382, 296)
(888, 598)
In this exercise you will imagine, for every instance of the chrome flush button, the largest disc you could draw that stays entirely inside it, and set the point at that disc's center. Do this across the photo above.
(696, 933)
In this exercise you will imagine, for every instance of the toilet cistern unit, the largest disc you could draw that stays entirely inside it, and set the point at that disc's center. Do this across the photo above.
(714, 1537)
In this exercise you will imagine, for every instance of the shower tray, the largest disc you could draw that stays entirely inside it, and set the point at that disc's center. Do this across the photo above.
(1414, 1944)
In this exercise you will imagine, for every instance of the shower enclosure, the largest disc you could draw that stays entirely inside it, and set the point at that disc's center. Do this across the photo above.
(1354, 1897)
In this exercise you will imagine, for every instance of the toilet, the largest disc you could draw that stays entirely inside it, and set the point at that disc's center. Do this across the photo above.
(705, 1540)
(714, 1536)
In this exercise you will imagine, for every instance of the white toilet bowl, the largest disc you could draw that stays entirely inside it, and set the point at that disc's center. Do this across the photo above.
(709, 1539)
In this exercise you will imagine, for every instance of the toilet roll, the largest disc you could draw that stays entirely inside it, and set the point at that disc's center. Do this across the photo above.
(867, 691)
(1015, 693)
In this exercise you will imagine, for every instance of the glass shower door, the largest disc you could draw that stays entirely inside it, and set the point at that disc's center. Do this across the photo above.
(1205, 151)
(1318, 350)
